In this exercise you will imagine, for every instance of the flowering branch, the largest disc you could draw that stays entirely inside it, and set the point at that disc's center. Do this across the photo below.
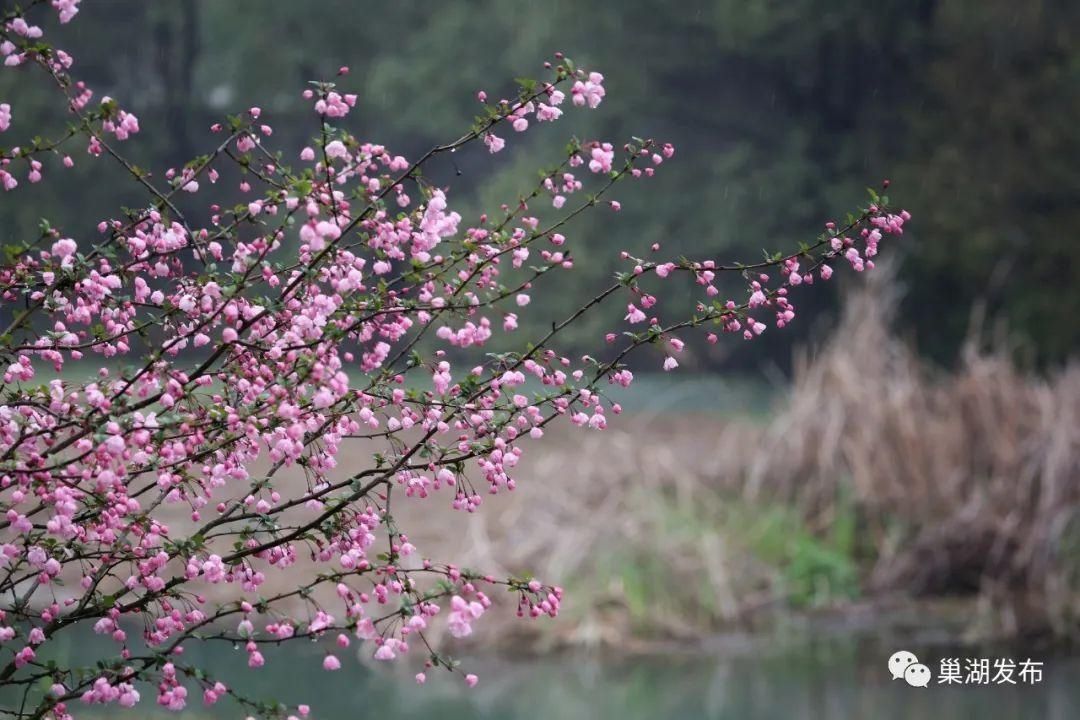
(332, 309)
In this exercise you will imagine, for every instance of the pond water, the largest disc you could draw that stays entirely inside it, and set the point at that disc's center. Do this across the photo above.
(739, 678)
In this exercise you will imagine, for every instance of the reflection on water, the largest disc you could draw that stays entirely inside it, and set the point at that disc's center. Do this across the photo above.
(842, 677)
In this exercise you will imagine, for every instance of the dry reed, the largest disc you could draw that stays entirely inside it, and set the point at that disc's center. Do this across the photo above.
(963, 483)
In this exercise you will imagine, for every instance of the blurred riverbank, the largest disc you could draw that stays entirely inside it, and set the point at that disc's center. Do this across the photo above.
(875, 477)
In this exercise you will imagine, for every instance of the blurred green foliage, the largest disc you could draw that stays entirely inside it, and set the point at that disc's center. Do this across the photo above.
(781, 110)
(813, 569)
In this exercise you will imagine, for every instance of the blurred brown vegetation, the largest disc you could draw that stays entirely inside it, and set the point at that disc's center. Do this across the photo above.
(877, 479)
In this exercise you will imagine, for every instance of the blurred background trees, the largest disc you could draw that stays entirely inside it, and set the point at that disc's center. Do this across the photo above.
(781, 110)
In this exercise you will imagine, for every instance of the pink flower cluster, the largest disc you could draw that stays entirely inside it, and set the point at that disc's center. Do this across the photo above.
(542, 106)
(245, 363)
(856, 243)
(463, 613)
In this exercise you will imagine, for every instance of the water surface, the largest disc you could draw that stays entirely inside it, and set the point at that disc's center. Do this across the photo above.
(841, 676)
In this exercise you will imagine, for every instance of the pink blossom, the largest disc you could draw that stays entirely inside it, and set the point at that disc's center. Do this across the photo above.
(590, 91)
(336, 149)
(634, 315)
(602, 157)
(462, 614)
(66, 8)
(547, 113)
(665, 269)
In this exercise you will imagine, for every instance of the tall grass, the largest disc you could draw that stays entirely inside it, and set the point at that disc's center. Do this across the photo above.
(963, 483)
